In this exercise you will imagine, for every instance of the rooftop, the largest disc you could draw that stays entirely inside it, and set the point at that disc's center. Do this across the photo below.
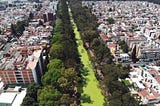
(7, 97)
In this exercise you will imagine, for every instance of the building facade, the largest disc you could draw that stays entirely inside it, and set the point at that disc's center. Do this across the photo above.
(27, 67)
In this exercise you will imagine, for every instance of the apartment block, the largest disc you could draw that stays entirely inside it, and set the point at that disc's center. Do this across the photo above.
(22, 65)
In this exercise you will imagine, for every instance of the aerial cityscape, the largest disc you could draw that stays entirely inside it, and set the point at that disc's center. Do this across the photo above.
(79, 53)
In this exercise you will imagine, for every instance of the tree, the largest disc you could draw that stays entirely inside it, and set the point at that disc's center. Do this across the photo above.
(68, 81)
(28, 101)
(89, 35)
(40, 22)
(18, 28)
(128, 100)
(56, 51)
(115, 102)
(55, 64)
(102, 54)
(116, 85)
(122, 72)
(95, 43)
(31, 96)
(31, 15)
(48, 96)
(66, 100)
(57, 32)
(51, 77)
(110, 73)
(110, 20)
(110, 10)
(71, 75)
(133, 54)
(63, 84)
(124, 46)
(13, 29)
(32, 90)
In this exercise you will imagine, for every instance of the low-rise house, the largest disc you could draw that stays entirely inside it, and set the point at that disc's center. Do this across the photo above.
(146, 82)
(122, 57)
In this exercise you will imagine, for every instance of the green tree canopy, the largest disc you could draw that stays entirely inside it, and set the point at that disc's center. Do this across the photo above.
(51, 77)
(55, 64)
(95, 43)
(31, 15)
(124, 46)
(66, 100)
(18, 28)
(31, 96)
(56, 51)
(110, 20)
(48, 96)
(68, 81)
(28, 101)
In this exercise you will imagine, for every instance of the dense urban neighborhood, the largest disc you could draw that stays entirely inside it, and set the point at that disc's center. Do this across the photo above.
(26, 29)
(79, 53)
(131, 30)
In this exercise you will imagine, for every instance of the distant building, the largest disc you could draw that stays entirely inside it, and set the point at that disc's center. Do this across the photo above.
(48, 17)
(45, 17)
(122, 57)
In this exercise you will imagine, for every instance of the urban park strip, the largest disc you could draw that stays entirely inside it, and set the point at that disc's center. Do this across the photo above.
(91, 91)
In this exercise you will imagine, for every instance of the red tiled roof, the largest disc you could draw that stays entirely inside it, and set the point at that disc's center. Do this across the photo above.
(146, 85)
(103, 37)
(109, 35)
(143, 93)
(150, 97)
(155, 93)
(154, 72)
(114, 45)
(119, 33)
(7, 33)
(158, 79)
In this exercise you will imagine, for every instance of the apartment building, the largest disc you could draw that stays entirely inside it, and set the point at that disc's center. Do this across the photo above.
(22, 65)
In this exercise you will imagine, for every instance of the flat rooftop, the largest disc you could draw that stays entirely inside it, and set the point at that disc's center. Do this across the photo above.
(19, 98)
(7, 97)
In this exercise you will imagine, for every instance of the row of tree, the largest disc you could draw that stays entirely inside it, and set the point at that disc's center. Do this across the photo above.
(60, 83)
(117, 94)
